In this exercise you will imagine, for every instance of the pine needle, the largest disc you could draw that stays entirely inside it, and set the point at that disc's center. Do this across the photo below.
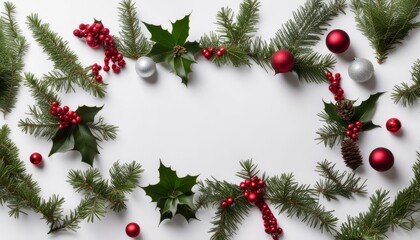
(405, 93)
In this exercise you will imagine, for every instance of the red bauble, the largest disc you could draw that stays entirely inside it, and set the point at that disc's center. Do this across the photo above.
(282, 61)
(132, 229)
(338, 41)
(393, 125)
(35, 158)
(381, 159)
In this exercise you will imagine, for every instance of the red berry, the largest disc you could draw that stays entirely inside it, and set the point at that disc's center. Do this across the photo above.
(337, 75)
(82, 26)
(224, 204)
(116, 69)
(54, 104)
(230, 200)
(106, 68)
(76, 32)
(105, 31)
(350, 126)
(219, 53)
(247, 182)
(355, 130)
(252, 197)
(211, 50)
(335, 83)
(349, 133)
(329, 74)
(222, 49)
(98, 78)
(242, 186)
(354, 136)
(207, 55)
(358, 124)
(261, 183)
(204, 51)
(78, 119)
(279, 230)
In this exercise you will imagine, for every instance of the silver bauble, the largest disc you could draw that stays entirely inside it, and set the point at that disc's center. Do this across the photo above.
(361, 70)
(145, 67)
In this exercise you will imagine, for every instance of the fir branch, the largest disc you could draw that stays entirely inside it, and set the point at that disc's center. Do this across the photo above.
(20, 192)
(300, 201)
(385, 23)
(67, 69)
(132, 42)
(226, 221)
(249, 169)
(313, 66)
(13, 46)
(103, 131)
(336, 183)
(330, 134)
(405, 93)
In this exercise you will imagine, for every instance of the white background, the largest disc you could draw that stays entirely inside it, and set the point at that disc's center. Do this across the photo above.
(225, 115)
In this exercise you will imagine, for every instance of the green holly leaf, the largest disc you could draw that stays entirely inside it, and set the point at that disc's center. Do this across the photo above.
(329, 109)
(78, 137)
(63, 141)
(173, 194)
(87, 114)
(173, 48)
(85, 143)
(366, 126)
(365, 110)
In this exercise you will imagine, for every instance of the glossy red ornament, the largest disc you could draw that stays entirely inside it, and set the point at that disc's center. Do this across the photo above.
(35, 158)
(381, 159)
(393, 125)
(282, 61)
(338, 41)
(132, 229)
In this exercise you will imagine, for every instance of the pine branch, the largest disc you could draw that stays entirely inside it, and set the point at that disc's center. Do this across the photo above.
(20, 193)
(405, 93)
(67, 69)
(300, 201)
(336, 183)
(331, 134)
(132, 42)
(103, 131)
(385, 23)
(226, 221)
(13, 46)
(249, 169)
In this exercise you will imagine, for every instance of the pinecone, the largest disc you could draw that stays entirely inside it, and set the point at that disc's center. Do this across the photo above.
(351, 154)
(344, 109)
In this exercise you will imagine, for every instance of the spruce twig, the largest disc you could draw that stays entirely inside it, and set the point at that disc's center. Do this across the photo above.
(385, 23)
(21, 193)
(67, 70)
(405, 93)
(336, 183)
(13, 46)
(132, 42)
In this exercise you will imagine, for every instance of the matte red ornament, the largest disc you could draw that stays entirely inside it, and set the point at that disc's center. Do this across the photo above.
(338, 41)
(132, 229)
(282, 61)
(381, 159)
(393, 125)
(35, 158)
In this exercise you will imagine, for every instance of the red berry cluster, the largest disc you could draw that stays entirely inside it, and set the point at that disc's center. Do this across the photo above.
(208, 52)
(64, 115)
(335, 86)
(227, 202)
(254, 193)
(353, 129)
(96, 34)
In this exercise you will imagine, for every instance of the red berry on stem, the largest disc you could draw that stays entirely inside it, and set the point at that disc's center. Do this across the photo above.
(35, 158)
(230, 200)
(224, 204)
(219, 53)
(252, 197)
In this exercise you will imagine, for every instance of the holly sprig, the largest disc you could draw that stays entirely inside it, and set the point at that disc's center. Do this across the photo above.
(172, 194)
(173, 48)
(335, 129)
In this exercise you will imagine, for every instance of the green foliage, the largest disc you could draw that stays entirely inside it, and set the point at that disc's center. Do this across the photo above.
(408, 94)
(336, 183)
(173, 48)
(67, 71)
(13, 47)
(385, 23)
(20, 193)
(333, 132)
(297, 35)
(173, 195)
(132, 42)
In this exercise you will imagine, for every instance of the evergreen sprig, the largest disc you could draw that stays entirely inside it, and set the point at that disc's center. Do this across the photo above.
(67, 71)
(336, 183)
(296, 35)
(41, 123)
(21, 193)
(13, 46)
(385, 23)
(132, 43)
(330, 134)
(405, 93)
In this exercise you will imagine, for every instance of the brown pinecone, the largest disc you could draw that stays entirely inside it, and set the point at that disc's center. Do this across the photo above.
(344, 109)
(351, 154)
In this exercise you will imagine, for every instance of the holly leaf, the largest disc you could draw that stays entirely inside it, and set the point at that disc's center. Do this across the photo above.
(329, 109)
(173, 194)
(87, 114)
(366, 126)
(173, 48)
(365, 110)
(180, 30)
(85, 143)
(63, 141)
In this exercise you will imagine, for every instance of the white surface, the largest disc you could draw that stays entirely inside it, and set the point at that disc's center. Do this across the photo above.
(225, 115)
